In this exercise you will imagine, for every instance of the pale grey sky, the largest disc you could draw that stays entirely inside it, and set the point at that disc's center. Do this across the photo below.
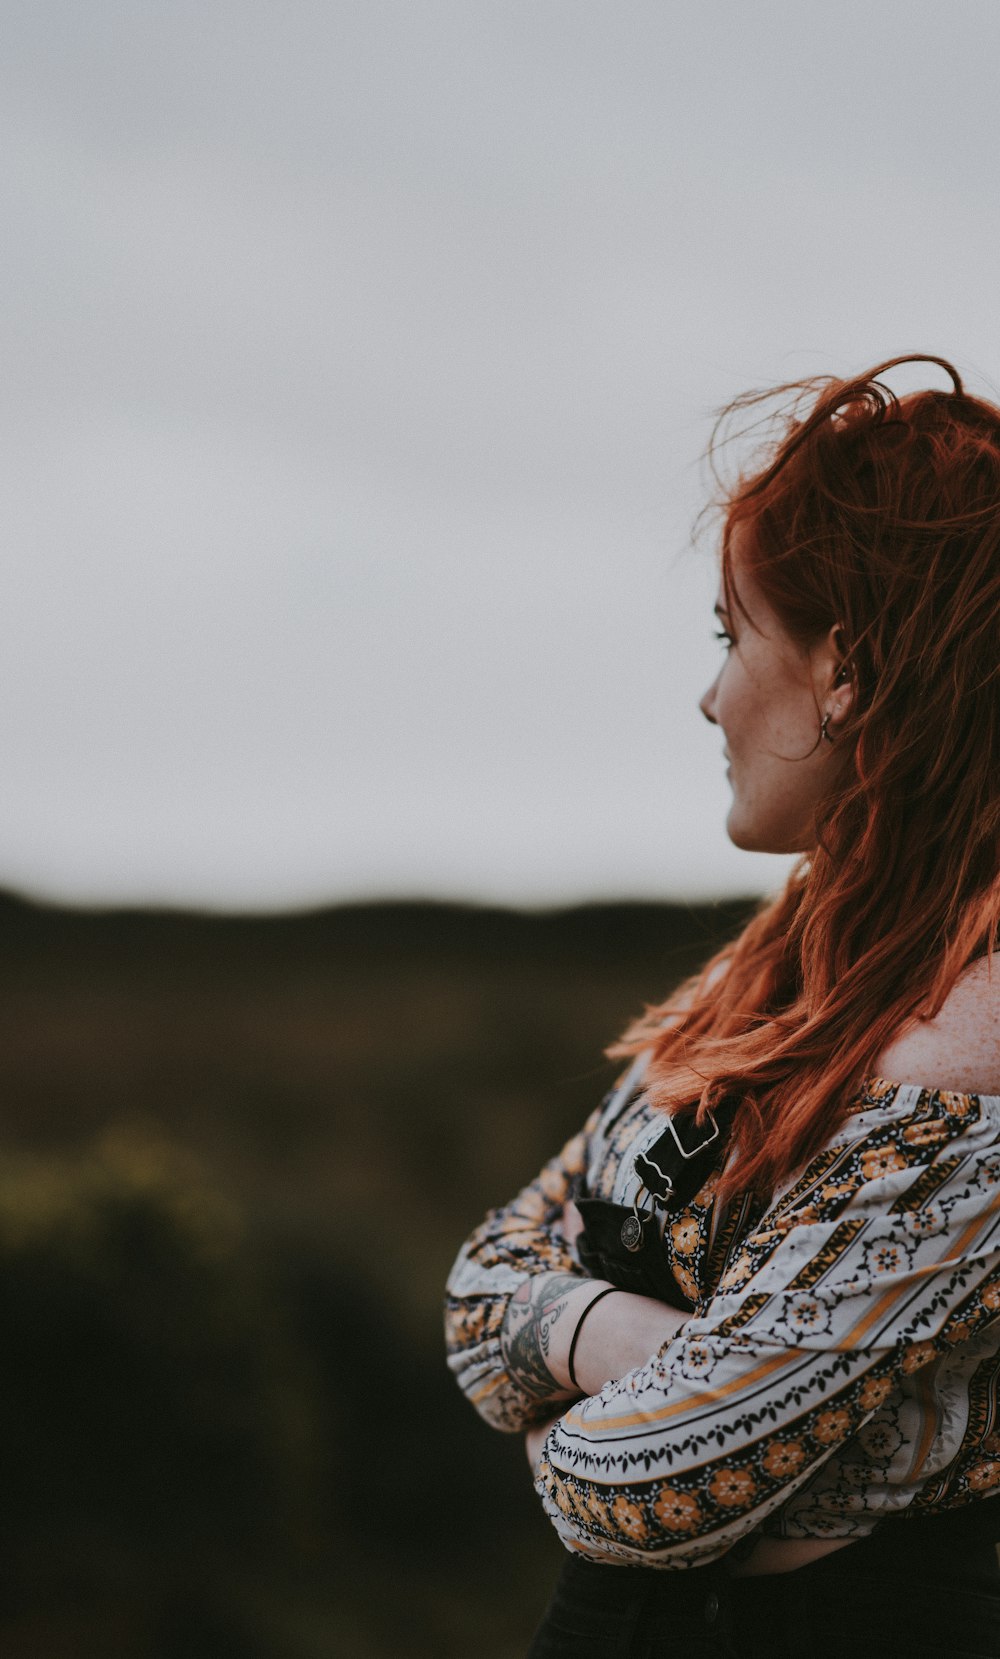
(357, 362)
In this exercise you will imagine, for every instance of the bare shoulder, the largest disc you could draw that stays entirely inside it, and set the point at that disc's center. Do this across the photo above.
(960, 1048)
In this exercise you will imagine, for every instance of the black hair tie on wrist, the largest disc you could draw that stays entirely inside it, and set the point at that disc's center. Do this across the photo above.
(607, 1291)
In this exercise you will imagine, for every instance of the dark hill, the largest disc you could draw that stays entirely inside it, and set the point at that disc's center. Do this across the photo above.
(239, 1154)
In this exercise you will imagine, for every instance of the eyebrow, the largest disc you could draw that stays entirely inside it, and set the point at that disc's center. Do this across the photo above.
(720, 611)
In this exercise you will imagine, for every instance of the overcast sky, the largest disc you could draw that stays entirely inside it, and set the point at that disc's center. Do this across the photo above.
(356, 364)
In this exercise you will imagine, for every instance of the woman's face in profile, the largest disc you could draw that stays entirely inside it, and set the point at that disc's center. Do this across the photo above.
(769, 699)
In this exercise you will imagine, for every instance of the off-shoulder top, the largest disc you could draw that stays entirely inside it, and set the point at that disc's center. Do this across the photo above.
(842, 1362)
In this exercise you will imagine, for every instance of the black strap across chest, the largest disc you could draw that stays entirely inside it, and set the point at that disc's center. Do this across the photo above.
(621, 1242)
(679, 1162)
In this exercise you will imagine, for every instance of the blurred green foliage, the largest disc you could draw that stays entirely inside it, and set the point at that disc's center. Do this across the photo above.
(159, 1430)
(239, 1156)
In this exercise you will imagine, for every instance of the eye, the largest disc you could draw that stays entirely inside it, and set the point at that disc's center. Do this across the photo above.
(726, 639)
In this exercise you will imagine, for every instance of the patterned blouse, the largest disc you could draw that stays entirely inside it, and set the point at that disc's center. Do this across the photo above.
(842, 1360)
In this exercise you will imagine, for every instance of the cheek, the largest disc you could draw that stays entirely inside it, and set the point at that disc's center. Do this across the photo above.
(736, 699)
(763, 709)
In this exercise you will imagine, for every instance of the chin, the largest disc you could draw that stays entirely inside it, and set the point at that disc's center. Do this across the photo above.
(760, 838)
(746, 843)
(737, 832)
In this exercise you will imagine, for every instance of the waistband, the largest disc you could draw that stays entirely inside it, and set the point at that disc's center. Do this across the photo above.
(964, 1539)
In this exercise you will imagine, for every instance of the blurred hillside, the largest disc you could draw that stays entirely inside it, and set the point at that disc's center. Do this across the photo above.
(239, 1155)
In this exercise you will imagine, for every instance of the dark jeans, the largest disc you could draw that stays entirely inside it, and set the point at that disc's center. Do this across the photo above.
(919, 1589)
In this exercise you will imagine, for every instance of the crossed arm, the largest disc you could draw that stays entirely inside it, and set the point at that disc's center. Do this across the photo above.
(621, 1332)
(687, 1435)
(516, 1295)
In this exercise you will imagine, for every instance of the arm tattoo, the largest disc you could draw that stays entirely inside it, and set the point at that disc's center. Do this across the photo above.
(526, 1333)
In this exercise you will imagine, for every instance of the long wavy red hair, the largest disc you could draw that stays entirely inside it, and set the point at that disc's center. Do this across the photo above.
(881, 514)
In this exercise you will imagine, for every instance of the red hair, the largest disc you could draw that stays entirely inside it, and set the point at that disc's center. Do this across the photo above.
(880, 514)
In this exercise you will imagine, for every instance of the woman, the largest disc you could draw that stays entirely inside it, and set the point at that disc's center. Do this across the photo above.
(761, 1388)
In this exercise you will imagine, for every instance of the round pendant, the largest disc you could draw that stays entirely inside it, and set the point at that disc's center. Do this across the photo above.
(631, 1233)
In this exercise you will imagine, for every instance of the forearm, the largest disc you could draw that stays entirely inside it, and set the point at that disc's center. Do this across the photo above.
(499, 1376)
(614, 1334)
(622, 1332)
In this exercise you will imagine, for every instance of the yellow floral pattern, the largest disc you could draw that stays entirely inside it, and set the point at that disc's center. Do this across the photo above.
(676, 1511)
(784, 1457)
(826, 1360)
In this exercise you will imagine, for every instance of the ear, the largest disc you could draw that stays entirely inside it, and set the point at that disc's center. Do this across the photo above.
(833, 680)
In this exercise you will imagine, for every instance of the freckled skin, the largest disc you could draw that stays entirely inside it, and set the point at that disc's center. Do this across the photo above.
(769, 699)
(960, 1048)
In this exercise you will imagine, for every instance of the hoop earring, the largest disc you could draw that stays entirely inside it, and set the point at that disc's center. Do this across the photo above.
(824, 723)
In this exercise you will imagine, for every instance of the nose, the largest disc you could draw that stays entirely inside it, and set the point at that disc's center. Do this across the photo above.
(707, 703)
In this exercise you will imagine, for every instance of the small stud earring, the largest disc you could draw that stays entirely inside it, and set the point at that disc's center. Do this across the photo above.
(824, 723)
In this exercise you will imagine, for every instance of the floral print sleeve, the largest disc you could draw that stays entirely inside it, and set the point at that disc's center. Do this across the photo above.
(515, 1243)
(868, 1292)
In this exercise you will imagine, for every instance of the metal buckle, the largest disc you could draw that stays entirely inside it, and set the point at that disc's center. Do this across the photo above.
(702, 1144)
(659, 1195)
